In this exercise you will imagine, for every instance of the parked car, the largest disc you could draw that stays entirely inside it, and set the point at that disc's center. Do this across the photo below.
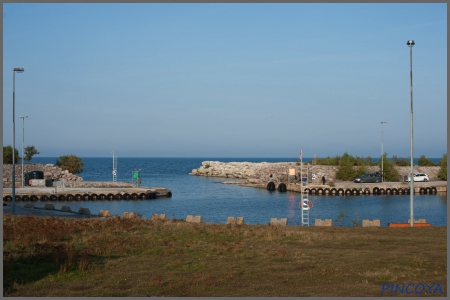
(368, 178)
(419, 177)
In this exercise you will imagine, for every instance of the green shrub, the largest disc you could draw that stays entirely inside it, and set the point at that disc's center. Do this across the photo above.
(389, 170)
(423, 161)
(345, 170)
(442, 174)
(402, 162)
(72, 163)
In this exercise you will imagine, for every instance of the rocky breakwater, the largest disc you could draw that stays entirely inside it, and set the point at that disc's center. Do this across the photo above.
(49, 170)
(257, 174)
(55, 174)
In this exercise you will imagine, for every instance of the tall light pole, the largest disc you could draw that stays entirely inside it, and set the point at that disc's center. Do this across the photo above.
(23, 140)
(18, 70)
(410, 44)
(382, 153)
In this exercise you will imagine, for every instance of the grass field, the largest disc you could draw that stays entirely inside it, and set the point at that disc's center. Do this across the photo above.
(59, 257)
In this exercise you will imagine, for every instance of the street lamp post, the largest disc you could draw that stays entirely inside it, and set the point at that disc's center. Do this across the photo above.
(382, 153)
(23, 140)
(410, 44)
(18, 70)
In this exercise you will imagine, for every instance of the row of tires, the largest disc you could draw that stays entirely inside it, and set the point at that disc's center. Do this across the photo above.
(367, 191)
(82, 197)
(355, 191)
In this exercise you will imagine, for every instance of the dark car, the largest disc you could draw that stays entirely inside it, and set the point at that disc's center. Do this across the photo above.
(368, 178)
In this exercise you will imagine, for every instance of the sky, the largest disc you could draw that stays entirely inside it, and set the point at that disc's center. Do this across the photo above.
(225, 80)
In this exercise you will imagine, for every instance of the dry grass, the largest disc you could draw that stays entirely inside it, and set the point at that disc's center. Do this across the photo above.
(136, 257)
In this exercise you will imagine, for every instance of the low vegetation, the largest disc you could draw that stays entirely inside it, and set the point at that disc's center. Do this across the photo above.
(62, 257)
(443, 170)
(346, 165)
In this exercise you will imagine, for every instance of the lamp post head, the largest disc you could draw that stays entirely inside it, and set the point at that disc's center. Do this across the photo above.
(23, 117)
(410, 43)
(19, 70)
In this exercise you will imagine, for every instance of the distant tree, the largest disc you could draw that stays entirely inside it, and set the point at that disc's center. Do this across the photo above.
(72, 163)
(423, 161)
(443, 170)
(369, 161)
(7, 155)
(328, 161)
(402, 162)
(29, 152)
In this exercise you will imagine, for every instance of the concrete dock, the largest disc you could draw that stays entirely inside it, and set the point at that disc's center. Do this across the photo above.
(84, 194)
(354, 189)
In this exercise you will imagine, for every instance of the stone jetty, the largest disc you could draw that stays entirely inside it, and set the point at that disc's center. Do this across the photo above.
(257, 174)
(56, 174)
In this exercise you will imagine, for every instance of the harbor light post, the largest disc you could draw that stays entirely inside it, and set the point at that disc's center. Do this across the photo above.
(382, 157)
(23, 140)
(410, 44)
(18, 70)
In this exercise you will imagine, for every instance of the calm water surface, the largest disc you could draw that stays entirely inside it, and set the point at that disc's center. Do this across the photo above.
(215, 201)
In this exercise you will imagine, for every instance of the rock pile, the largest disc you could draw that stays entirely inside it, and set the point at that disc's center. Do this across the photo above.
(50, 172)
(257, 174)
(56, 174)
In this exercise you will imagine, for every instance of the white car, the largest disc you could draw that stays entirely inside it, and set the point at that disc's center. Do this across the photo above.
(419, 177)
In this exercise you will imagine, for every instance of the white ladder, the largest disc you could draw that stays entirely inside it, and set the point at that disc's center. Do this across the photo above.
(304, 208)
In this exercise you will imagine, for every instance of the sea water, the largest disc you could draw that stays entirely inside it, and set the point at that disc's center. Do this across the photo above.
(215, 202)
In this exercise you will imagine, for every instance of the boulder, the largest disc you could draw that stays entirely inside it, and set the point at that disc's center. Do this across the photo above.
(84, 211)
(66, 208)
(49, 206)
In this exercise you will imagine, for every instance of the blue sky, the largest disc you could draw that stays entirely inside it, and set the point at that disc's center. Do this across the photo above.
(226, 80)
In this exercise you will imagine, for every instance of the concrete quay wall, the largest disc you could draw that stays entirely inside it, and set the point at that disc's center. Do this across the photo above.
(368, 189)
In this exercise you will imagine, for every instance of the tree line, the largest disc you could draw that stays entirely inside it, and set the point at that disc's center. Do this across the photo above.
(350, 167)
(71, 162)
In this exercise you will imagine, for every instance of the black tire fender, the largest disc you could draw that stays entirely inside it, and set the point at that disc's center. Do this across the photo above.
(376, 190)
